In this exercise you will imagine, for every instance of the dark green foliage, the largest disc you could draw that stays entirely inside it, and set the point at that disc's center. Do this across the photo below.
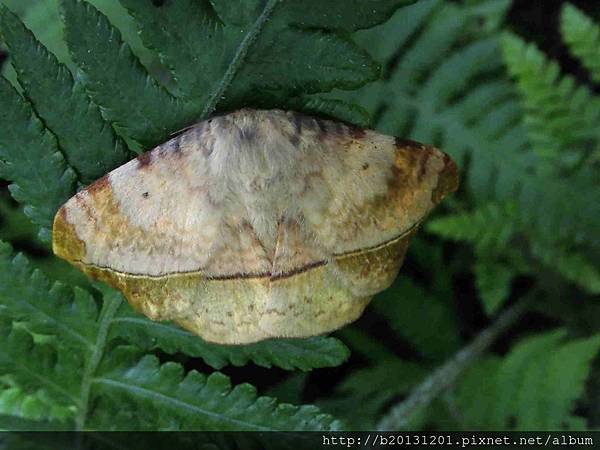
(442, 338)
(372, 388)
(141, 109)
(172, 400)
(524, 224)
(582, 35)
(29, 157)
(86, 140)
(524, 384)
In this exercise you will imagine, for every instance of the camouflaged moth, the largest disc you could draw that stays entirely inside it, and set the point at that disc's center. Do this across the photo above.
(256, 224)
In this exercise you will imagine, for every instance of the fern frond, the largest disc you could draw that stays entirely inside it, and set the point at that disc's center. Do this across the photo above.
(40, 366)
(330, 108)
(561, 117)
(535, 385)
(276, 63)
(88, 143)
(50, 309)
(574, 266)
(55, 343)
(446, 85)
(30, 158)
(489, 228)
(346, 15)
(143, 110)
(177, 401)
(36, 406)
(582, 35)
(493, 280)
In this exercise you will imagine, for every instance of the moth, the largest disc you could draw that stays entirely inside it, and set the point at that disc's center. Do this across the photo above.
(256, 224)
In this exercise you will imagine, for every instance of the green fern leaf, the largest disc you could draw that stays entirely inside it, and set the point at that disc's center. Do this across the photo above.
(37, 406)
(330, 108)
(88, 144)
(582, 36)
(27, 295)
(572, 265)
(490, 227)
(535, 385)
(204, 68)
(192, 401)
(289, 354)
(29, 157)
(16, 440)
(38, 367)
(143, 110)
(560, 117)
(338, 15)
(493, 281)
(372, 388)
(15, 224)
(446, 85)
(421, 318)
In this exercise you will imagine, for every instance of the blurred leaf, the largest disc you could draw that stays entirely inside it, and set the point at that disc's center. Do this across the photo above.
(372, 388)
(582, 36)
(493, 283)
(535, 385)
(426, 321)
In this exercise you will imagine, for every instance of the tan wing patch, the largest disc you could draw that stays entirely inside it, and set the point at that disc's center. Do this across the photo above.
(256, 224)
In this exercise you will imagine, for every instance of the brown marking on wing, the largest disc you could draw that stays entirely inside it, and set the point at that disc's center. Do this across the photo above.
(65, 242)
(170, 148)
(448, 180)
(406, 143)
(98, 185)
(423, 165)
(299, 270)
(357, 132)
(144, 160)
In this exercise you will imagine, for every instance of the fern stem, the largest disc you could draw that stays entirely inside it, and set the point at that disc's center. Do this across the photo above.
(238, 59)
(443, 377)
(109, 309)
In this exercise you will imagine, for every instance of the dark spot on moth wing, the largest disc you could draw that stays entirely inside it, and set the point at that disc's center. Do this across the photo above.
(247, 134)
(365, 166)
(173, 146)
(357, 132)
(144, 160)
(295, 139)
(145, 195)
(301, 122)
(407, 143)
